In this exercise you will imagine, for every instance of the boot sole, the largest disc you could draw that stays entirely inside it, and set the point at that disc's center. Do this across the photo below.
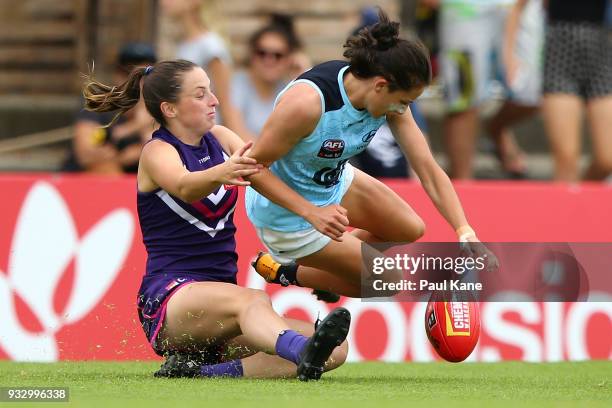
(330, 333)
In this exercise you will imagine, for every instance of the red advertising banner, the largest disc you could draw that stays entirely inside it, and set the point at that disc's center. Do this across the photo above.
(71, 261)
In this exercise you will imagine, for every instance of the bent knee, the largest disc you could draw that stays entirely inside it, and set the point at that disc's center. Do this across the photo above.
(419, 229)
(338, 357)
(251, 299)
(404, 229)
(257, 296)
(414, 229)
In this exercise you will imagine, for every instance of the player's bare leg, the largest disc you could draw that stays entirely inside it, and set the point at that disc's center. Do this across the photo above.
(202, 314)
(338, 266)
(261, 365)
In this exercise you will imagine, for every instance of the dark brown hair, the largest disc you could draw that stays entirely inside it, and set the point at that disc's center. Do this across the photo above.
(162, 83)
(281, 24)
(377, 50)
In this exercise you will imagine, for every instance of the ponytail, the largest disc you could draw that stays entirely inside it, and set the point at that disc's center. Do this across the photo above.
(162, 83)
(104, 98)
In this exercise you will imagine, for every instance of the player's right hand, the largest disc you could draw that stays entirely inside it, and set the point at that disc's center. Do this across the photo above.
(238, 166)
(330, 221)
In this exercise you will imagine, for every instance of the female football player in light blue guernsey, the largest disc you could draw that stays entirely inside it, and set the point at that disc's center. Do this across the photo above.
(302, 204)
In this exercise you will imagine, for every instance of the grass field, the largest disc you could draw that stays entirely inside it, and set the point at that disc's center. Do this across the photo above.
(514, 384)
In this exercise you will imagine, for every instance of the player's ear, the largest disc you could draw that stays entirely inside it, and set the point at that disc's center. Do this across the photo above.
(168, 109)
(380, 83)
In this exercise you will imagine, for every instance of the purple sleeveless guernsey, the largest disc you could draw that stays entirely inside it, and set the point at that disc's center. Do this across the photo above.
(191, 239)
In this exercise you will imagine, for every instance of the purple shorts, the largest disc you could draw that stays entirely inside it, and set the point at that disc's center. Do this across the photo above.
(153, 296)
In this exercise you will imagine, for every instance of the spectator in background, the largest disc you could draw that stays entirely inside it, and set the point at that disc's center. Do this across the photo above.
(578, 69)
(522, 62)
(205, 48)
(471, 34)
(272, 51)
(114, 149)
(383, 156)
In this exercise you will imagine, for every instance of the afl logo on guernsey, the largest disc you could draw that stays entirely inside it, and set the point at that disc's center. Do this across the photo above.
(331, 149)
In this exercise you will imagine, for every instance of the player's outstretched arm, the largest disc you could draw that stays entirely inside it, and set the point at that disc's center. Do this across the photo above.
(434, 180)
(295, 116)
(436, 183)
(161, 166)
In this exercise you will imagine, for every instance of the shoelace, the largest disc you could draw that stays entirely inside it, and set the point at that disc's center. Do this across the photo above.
(318, 321)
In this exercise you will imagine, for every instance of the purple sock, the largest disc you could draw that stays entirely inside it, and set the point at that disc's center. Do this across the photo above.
(290, 345)
(230, 369)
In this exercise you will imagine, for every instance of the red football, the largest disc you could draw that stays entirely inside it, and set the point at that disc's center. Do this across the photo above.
(453, 328)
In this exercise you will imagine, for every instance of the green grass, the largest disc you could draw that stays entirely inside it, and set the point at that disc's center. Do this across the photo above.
(514, 384)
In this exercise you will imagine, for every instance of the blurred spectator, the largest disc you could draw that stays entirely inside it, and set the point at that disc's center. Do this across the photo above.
(383, 156)
(206, 48)
(471, 37)
(114, 149)
(522, 63)
(270, 65)
(578, 69)
(425, 17)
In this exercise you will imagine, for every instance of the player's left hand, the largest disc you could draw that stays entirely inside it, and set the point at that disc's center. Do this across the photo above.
(473, 248)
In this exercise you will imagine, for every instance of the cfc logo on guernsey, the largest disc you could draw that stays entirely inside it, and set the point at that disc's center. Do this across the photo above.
(329, 176)
(44, 245)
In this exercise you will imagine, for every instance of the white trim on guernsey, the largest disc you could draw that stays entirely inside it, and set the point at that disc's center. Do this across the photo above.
(180, 211)
(216, 198)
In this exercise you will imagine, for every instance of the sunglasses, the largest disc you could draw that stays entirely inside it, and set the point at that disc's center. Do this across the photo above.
(261, 53)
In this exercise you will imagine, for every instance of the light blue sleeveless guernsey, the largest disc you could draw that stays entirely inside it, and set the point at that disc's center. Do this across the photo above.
(314, 167)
